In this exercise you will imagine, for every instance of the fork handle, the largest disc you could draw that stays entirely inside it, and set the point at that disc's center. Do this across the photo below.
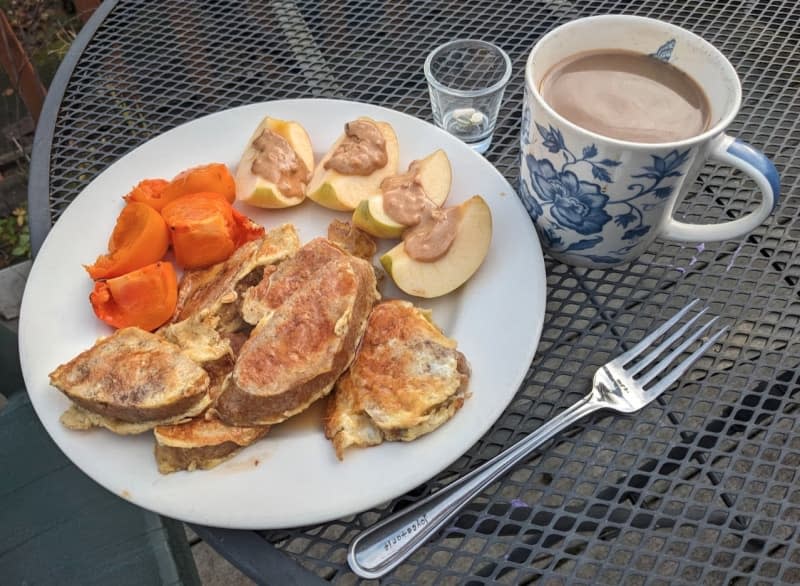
(379, 549)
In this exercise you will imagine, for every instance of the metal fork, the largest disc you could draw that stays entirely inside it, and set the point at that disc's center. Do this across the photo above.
(625, 384)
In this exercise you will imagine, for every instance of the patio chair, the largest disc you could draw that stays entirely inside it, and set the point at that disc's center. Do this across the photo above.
(57, 526)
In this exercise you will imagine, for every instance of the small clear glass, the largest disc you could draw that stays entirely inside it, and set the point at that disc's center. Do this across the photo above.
(466, 79)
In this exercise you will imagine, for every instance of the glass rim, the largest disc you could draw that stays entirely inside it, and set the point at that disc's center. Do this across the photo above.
(436, 84)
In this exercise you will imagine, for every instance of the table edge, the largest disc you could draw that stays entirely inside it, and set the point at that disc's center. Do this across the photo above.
(260, 560)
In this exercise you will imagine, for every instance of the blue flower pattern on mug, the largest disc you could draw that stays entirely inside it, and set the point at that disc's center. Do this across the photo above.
(580, 206)
(664, 52)
(577, 205)
(530, 203)
(661, 169)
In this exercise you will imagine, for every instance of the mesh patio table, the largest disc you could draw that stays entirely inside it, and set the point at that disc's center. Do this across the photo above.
(701, 486)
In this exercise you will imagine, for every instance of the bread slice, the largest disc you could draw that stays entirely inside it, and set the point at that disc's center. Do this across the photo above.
(307, 337)
(281, 282)
(201, 444)
(132, 377)
(406, 380)
(79, 419)
(204, 441)
(209, 300)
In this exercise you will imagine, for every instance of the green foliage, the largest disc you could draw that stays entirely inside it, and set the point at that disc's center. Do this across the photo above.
(46, 29)
(15, 237)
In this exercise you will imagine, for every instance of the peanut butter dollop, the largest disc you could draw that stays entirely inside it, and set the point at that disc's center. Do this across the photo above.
(432, 237)
(362, 151)
(277, 161)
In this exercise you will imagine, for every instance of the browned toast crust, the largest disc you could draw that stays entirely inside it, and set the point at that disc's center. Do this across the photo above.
(406, 380)
(297, 352)
(171, 459)
(134, 376)
(285, 280)
(201, 444)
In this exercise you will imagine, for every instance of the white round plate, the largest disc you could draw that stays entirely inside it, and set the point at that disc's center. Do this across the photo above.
(292, 477)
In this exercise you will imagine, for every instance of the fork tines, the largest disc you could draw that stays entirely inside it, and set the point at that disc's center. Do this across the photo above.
(639, 369)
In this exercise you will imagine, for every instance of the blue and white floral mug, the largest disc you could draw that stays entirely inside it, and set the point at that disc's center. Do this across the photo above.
(599, 201)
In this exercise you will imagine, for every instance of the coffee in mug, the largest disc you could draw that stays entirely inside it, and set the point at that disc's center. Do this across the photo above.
(627, 95)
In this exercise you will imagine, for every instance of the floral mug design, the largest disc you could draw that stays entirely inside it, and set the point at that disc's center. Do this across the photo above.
(598, 201)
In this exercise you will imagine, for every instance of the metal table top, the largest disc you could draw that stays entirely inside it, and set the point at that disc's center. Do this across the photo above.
(701, 486)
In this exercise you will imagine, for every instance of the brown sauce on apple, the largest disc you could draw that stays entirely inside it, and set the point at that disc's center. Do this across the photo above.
(432, 237)
(404, 199)
(362, 152)
(277, 161)
(431, 230)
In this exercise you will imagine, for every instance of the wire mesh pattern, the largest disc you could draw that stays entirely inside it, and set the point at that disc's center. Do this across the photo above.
(701, 486)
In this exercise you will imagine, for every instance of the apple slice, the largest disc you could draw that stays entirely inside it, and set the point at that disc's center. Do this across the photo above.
(257, 191)
(462, 259)
(336, 191)
(435, 177)
(370, 217)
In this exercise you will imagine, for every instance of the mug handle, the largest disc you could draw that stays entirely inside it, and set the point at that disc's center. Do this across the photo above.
(736, 153)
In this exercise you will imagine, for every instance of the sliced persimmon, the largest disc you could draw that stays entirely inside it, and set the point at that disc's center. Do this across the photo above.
(145, 298)
(205, 229)
(214, 178)
(140, 238)
(148, 191)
